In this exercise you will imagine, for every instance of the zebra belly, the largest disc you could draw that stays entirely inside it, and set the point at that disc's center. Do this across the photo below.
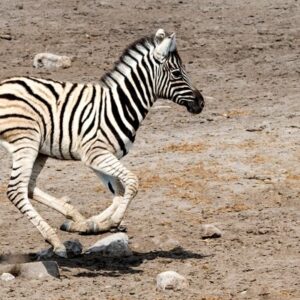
(61, 150)
(127, 146)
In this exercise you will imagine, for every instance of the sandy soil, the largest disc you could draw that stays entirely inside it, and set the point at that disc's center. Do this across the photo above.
(236, 165)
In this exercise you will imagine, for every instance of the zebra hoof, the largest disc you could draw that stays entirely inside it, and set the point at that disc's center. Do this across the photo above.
(66, 226)
(61, 251)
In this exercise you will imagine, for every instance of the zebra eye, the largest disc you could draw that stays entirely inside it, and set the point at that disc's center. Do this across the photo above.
(176, 74)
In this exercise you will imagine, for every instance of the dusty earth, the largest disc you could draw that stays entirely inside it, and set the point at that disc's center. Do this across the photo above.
(236, 165)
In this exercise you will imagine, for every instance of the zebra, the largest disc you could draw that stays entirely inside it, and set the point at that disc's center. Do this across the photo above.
(93, 123)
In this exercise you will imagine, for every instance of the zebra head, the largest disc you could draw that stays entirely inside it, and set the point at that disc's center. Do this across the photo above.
(173, 82)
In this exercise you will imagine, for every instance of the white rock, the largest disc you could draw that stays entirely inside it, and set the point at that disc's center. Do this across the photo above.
(114, 245)
(51, 61)
(7, 277)
(39, 270)
(210, 231)
(32, 270)
(170, 280)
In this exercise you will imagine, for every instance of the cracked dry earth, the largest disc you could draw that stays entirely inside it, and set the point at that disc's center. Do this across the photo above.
(236, 165)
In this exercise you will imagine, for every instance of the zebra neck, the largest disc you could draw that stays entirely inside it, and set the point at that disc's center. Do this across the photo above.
(131, 93)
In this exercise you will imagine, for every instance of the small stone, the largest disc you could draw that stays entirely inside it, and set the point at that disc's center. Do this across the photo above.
(260, 128)
(170, 280)
(74, 248)
(263, 231)
(51, 61)
(210, 231)
(5, 37)
(7, 277)
(115, 245)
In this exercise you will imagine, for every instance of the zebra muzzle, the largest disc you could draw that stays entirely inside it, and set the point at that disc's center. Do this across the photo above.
(197, 105)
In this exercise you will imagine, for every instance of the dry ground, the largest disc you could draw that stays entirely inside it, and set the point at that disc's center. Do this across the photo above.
(236, 165)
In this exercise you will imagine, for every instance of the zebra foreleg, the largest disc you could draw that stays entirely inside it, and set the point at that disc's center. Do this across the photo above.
(61, 205)
(108, 164)
(17, 192)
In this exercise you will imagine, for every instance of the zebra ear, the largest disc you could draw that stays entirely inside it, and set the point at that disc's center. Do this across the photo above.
(173, 42)
(167, 45)
(159, 36)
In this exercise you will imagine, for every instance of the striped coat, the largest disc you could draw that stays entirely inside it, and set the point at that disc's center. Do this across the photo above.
(94, 123)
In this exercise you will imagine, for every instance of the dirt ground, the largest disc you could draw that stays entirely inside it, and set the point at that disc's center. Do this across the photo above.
(236, 165)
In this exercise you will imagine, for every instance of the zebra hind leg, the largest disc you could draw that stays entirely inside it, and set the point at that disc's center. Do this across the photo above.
(61, 205)
(108, 164)
(17, 192)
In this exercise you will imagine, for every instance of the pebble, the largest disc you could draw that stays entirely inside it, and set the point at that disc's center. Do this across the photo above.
(260, 128)
(74, 248)
(210, 231)
(170, 280)
(51, 61)
(114, 245)
(7, 277)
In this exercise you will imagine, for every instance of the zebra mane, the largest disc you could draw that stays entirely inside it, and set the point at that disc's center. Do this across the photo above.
(145, 41)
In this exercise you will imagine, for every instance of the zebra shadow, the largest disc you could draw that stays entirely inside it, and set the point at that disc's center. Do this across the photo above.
(95, 265)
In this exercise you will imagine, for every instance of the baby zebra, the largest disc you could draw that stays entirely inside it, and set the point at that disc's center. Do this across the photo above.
(94, 123)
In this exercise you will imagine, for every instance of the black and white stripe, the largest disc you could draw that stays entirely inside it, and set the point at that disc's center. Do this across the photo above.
(95, 123)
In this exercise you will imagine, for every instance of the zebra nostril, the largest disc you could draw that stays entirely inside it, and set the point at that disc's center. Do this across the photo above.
(199, 100)
(197, 105)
